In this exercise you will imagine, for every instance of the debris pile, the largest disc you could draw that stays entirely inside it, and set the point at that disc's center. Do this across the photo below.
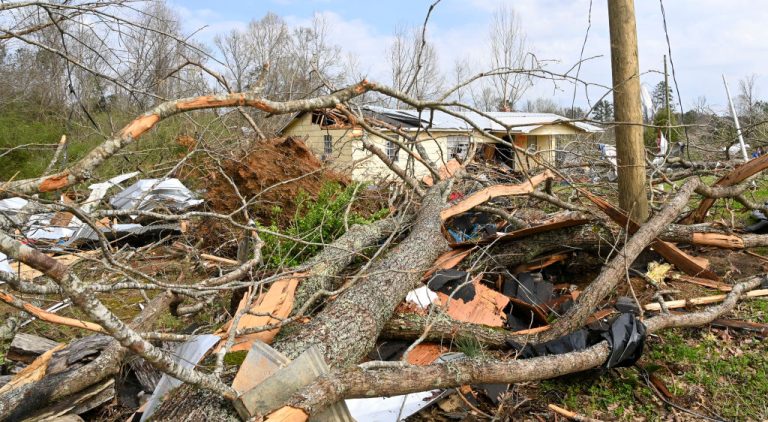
(512, 274)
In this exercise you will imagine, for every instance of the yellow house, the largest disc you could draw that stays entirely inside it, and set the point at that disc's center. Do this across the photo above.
(443, 136)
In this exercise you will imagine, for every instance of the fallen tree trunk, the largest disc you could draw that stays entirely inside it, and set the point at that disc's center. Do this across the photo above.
(327, 265)
(347, 329)
(614, 272)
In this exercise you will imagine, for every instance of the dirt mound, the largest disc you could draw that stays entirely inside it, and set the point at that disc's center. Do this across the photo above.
(272, 175)
(277, 171)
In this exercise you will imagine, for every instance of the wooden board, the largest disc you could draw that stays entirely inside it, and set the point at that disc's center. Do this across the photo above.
(269, 308)
(491, 192)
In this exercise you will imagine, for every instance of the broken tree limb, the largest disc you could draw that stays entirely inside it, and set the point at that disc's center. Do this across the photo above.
(44, 315)
(738, 175)
(614, 272)
(669, 251)
(356, 382)
(83, 298)
(489, 193)
(708, 235)
(348, 327)
(83, 169)
(696, 301)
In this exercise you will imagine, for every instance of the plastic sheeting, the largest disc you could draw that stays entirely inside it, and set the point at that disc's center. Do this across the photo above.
(5, 263)
(187, 355)
(625, 336)
(447, 281)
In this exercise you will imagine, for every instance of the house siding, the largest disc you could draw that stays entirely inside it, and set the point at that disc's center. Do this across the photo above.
(350, 157)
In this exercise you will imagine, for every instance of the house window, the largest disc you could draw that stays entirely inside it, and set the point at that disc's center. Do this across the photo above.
(458, 146)
(327, 145)
(393, 151)
(533, 144)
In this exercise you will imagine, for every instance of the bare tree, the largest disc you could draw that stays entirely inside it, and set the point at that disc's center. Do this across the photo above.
(508, 51)
(413, 64)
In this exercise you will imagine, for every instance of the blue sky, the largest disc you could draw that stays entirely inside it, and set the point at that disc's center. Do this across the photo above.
(708, 37)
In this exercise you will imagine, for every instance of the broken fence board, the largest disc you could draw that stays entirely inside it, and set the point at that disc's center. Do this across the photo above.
(491, 192)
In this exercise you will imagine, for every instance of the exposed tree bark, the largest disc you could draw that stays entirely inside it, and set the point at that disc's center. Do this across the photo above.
(614, 271)
(357, 382)
(347, 329)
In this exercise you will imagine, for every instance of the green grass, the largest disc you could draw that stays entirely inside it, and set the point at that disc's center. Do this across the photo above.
(20, 127)
(704, 369)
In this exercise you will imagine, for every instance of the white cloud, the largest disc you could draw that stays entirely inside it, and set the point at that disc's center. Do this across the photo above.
(708, 37)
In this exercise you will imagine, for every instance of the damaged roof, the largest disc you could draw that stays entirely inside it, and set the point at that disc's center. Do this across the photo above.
(518, 122)
(490, 122)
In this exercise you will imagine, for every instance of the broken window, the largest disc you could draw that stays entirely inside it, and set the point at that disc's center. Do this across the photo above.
(320, 118)
(393, 151)
(458, 145)
(327, 145)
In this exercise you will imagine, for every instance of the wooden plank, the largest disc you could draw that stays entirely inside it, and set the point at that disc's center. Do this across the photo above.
(705, 300)
(670, 252)
(269, 308)
(491, 192)
(702, 282)
(25, 272)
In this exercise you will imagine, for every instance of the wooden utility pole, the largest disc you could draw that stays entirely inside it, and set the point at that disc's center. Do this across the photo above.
(630, 150)
(666, 102)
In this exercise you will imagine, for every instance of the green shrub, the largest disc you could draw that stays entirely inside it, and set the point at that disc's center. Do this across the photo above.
(316, 223)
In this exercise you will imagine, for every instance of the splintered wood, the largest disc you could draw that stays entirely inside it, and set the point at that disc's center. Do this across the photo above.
(268, 309)
(51, 317)
(692, 266)
(491, 192)
(451, 167)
